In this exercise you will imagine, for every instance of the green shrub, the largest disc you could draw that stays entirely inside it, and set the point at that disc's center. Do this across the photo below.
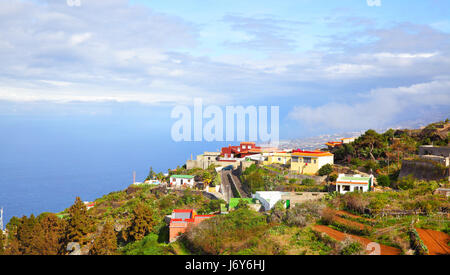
(383, 180)
(147, 246)
(332, 177)
(406, 183)
(356, 162)
(227, 233)
(351, 247)
(325, 170)
(371, 165)
(308, 182)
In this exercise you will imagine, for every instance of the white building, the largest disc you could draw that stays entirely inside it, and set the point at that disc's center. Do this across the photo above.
(182, 181)
(152, 182)
(353, 183)
(268, 199)
(348, 140)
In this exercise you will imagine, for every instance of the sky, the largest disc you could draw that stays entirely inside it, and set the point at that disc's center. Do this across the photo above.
(331, 66)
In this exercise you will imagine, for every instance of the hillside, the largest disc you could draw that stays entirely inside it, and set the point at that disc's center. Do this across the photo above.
(133, 221)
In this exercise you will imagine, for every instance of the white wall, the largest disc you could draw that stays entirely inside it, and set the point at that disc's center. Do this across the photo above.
(178, 182)
(353, 187)
(325, 160)
(268, 199)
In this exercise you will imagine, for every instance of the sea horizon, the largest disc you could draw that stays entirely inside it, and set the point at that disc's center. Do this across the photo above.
(46, 163)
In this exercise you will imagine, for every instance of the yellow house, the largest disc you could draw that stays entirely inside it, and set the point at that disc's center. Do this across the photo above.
(279, 158)
(309, 162)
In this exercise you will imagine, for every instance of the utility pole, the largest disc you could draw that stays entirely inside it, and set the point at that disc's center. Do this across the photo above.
(388, 165)
(134, 177)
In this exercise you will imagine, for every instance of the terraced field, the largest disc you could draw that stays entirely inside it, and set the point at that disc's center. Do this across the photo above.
(346, 218)
(435, 241)
(351, 223)
(339, 236)
(345, 213)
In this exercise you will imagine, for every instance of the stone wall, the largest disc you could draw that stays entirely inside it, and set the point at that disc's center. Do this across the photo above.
(301, 197)
(317, 179)
(423, 170)
(443, 151)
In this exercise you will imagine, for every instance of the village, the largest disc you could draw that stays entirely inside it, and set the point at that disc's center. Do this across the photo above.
(378, 193)
(311, 167)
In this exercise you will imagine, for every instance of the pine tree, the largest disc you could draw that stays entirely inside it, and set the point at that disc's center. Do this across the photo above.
(151, 174)
(106, 243)
(2, 242)
(142, 223)
(79, 223)
(48, 236)
(12, 247)
(25, 232)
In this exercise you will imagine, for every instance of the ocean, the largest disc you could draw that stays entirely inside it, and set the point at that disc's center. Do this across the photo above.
(45, 161)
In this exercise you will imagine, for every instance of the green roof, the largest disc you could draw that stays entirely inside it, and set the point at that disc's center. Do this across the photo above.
(356, 178)
(234, 201)
(182, 176)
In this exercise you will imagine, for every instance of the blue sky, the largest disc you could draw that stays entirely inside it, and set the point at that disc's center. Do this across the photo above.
(331, 66)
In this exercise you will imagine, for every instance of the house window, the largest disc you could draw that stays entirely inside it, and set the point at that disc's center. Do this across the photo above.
(294, 159)
(279, 159)
(346, 187)
(243, 146)
(307, 160)
(249, 147)
(315, 161)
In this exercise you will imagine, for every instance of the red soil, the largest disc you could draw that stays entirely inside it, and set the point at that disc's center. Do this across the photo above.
(339, 236)
(435, 241)
(342, 213)
(351, 223)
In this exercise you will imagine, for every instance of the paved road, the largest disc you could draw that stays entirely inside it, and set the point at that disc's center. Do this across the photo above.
(227, 192)
(229, 177)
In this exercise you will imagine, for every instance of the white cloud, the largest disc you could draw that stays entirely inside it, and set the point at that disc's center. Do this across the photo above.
(79, 38)
(52, 52)
(377, 108)
(57, 83)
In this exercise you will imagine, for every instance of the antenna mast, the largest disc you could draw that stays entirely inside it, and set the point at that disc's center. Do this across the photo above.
(1, 218)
